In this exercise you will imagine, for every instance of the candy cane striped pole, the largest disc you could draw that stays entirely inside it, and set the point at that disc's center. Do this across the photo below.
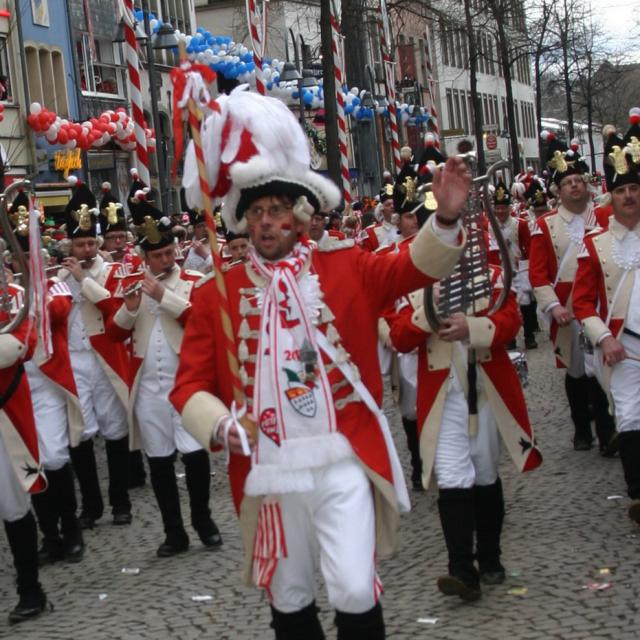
(135, 92)
(431, 88)
(390, 81)
(342, 124)
(257, 23)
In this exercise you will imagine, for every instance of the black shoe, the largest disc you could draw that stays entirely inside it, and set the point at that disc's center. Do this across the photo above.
(512, 346)
(87, 521)
(530, 343)
(29, 606)
(173, 545)
(210, 536)
(123, 518)
(51, 551)
(610, 449)
(580, 444)
(416, 485)
(466, 589)
(492, 574)
(73, 547)
(634, 511)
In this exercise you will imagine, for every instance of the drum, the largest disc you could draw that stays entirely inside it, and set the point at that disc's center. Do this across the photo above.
(519, 361)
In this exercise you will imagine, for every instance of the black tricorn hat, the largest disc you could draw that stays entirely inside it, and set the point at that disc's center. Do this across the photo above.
(81, 213)
(111, 215)
(154, 228)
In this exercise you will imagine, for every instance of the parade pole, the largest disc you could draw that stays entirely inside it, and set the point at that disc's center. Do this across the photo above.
(390, 82)
(338, 58)
(257, 23)
(195, 116)
(135, 91)
(431, 88)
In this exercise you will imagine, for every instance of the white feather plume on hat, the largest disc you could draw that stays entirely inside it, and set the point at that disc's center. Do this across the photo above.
(279, 155)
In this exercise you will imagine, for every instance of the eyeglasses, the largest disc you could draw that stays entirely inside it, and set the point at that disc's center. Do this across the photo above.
(275, 212)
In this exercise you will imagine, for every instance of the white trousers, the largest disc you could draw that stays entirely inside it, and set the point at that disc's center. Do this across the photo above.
(101, 408)
(625, 387)
(14, 500)
(160, 425)
(337, 521)
(462, 460)
(50, 413)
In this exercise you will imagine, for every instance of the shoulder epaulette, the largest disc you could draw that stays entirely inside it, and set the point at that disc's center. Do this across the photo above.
(336, 245)
(205, 279)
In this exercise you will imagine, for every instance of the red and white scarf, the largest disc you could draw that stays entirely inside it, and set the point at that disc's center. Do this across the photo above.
(286, 404)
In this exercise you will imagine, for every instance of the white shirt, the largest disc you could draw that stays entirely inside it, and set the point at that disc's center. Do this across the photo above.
(160, 360)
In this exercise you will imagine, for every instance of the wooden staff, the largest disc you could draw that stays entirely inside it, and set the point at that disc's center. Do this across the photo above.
(195, 121)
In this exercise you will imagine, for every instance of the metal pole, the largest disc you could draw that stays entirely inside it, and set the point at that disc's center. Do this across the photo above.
(160, 157)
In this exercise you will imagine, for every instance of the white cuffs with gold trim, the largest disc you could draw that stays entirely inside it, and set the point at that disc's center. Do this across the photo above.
(432, 254)
(201, 414)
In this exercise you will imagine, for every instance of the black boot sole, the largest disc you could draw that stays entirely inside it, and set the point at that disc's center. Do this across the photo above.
(165, 551)
(27, 613)
(453, 586)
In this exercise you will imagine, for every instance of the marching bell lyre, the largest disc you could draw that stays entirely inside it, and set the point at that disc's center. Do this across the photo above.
(468, 287)
(6, 300)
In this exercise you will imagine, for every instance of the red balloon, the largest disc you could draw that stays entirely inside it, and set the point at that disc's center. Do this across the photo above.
(63, 137)
(32, 120)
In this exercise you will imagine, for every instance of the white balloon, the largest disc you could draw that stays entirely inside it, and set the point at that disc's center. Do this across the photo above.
(35, 108)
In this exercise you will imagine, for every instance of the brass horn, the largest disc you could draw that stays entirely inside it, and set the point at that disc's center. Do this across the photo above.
(470, 282)
(6, 300)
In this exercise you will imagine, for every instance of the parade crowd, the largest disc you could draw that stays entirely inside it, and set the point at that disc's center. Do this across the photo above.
(263, 334)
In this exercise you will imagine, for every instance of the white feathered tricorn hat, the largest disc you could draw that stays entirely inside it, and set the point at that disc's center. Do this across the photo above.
(253, 146)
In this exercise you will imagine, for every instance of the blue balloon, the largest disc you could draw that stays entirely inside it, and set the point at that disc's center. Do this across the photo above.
(348, 109)
(307, 97)
(356, 101)
(294, 94)
(269, 86)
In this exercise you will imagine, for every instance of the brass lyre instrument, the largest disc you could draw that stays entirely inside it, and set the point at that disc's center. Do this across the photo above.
(469, 285)
(468, 288)
(14, 316)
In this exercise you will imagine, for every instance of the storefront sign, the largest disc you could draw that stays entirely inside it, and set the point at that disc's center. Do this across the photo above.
(67, 161)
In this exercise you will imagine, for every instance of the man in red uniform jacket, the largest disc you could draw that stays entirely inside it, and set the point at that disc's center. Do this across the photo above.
(555, 244)
(606, 299)
(322, 450)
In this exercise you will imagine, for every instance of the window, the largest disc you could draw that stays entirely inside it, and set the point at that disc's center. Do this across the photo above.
(444, 42)
(450, 109)
(6, 94)
(101, 71)
(465, 115)
(47, 78)
(456, 99)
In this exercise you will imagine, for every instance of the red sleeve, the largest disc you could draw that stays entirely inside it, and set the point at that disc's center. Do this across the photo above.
(114, 331)
(198, 352)
(524, 238)
(404, 335)
(587, 284)
(369, 240)
(388, 277)
(541, 272)
(507, 321)
(59, 308)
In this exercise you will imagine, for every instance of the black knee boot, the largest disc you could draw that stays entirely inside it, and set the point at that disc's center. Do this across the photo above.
(629, 447)
(137, 474)
(23, 542)
(118, 465)
(45, 505)
(165, 487)
(411, 431)
(64, 493)
(298, 625)
(529, 324)
(489, 510)
(605, 425)
(361, 626)
(577, 394)
(198, 475)
(83, 460)
(456, 508)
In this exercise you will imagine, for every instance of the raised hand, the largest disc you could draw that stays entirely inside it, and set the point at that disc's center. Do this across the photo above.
(450, 187)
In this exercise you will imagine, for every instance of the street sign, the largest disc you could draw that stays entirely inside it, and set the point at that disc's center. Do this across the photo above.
(492, 156)
(491, 142)
(451, 133)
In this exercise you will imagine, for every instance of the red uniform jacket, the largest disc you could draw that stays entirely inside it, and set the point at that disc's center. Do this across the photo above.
(17, 425)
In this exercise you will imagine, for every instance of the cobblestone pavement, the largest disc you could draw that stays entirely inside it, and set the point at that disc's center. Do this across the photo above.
(561, 529)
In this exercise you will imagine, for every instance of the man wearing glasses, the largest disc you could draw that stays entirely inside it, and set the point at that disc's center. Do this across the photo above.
(304, 323)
